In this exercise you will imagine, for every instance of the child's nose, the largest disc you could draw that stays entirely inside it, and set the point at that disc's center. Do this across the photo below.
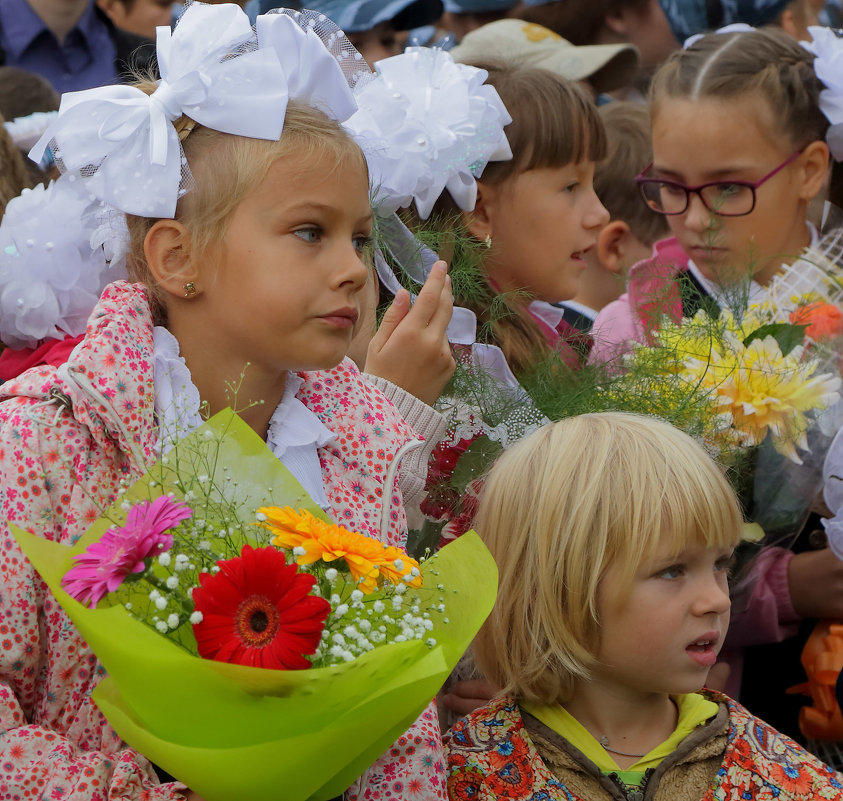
(597, 216)
(351, 269)
(713, 595)
(697, 217)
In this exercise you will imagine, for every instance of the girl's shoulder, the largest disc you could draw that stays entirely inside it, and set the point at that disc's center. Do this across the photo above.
(497, 719)
(104, 391)
(756, 754)
(342, 397)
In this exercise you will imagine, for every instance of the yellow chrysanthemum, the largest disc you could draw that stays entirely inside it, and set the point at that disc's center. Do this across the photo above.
(764, 391)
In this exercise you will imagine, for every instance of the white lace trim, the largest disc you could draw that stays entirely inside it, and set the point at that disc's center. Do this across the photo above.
(294, 434)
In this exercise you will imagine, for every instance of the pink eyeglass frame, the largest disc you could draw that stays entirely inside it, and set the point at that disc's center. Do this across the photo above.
(640, 179)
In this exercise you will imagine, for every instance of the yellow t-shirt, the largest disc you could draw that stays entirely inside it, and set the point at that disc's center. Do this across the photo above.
(694, 710)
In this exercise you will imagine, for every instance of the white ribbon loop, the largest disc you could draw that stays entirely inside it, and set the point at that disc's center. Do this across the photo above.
(427, 124)
(122, 141)
(310, 71)
(827, 48)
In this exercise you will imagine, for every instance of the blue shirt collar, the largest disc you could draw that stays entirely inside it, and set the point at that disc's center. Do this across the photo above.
(21, 25)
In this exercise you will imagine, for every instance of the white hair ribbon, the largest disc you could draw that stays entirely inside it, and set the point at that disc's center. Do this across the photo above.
(122, 141)
(735, 27)
(827, 48)
(311, 72)
(427, 124)
(55, 258)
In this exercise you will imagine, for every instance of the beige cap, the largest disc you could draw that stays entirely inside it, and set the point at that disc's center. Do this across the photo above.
(607, 67)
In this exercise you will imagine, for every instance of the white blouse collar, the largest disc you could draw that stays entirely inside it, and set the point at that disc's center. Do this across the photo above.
(294, 433)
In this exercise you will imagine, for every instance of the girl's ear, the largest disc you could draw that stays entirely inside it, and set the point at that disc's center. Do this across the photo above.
(167, 248)
(480, 221)
(814, 163)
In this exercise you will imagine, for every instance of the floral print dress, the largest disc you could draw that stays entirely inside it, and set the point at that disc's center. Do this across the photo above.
(70, 438)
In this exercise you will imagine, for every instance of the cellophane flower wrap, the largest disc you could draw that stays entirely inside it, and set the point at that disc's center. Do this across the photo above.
(250, 643)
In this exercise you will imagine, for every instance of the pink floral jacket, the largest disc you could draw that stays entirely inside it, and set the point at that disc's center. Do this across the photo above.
(68, 437)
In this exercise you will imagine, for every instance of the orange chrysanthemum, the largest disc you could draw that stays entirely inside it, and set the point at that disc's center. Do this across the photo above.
(392, 557)
(367, 559)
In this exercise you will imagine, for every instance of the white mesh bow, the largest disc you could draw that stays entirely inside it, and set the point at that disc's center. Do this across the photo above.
(427, 124)
(312, 72)
(122, 141)
(827, 48)
(54, 262)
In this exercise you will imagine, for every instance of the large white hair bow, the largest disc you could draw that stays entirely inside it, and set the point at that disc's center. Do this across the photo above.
(427, 124)
(54, 262)
(827, 48)
(311, 71)
(122, 142)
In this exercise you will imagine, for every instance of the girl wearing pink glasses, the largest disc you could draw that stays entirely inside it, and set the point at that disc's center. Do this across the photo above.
(739, 152)
(741, 145)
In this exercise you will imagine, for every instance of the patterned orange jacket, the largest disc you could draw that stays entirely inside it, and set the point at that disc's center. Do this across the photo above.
(491, 755)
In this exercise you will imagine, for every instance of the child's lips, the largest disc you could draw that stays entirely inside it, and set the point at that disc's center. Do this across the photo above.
(704, 649)
(579, 255)
(701, 252)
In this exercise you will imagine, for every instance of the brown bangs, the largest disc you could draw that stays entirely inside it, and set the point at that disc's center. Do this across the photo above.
(554, 122)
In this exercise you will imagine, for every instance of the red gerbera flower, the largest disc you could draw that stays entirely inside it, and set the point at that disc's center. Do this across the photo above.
(257, 611)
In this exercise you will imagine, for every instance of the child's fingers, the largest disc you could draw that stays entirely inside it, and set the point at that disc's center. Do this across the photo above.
(445, 308)
(392, 318)
(427, 302)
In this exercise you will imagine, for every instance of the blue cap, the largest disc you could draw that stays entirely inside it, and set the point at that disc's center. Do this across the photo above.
(353, 16)
(478, 6)
(689, 17)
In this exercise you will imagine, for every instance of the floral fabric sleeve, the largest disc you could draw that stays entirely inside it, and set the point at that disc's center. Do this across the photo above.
(411, 770)
(55, 743)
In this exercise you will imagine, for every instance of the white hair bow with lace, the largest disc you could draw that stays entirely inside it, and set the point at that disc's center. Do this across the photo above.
(122, 142)
(427, 124)
(827, 47)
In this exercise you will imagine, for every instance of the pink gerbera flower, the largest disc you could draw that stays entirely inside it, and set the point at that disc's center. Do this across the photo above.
(104, 564)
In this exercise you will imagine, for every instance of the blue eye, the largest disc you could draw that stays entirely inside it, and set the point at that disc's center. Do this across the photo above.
(362, 243)
(311, 235)
(672, 572)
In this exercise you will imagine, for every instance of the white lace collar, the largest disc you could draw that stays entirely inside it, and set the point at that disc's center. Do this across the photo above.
(294, 434)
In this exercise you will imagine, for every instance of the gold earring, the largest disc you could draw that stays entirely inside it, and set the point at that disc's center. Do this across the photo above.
(487, 242)
(189, 289)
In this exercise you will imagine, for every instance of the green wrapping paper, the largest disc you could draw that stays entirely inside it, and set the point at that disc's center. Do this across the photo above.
(232, 732)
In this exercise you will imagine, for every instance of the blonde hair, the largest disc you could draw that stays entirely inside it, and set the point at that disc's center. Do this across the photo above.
(563, 505)
(629, 151)
(225, 168)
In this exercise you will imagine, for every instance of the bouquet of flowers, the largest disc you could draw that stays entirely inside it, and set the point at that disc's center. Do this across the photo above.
(245, 635)
(751, 387)
(761, 378)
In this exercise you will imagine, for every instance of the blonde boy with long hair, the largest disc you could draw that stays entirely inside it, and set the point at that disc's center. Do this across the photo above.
(613, 535)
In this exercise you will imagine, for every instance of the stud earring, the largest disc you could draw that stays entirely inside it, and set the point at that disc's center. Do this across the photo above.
(189, 289)
(487, 242)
